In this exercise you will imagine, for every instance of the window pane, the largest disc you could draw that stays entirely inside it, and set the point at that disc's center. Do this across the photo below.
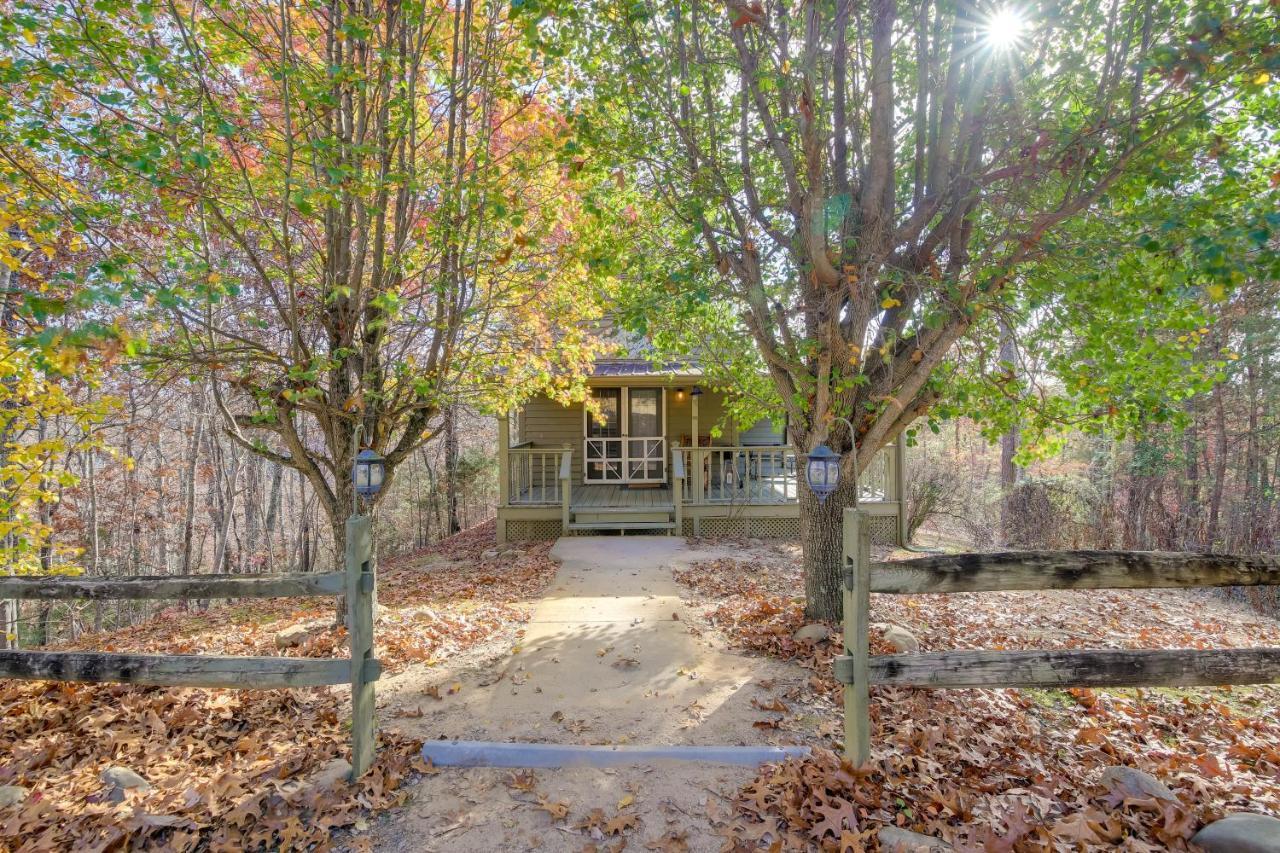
(646, 414)
(610, 401)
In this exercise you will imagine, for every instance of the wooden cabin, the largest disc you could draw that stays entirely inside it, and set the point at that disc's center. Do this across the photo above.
(663, 458)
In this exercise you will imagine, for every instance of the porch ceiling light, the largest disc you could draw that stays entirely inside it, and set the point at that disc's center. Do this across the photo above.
(368, 472)
(696, 392)
(822, 471)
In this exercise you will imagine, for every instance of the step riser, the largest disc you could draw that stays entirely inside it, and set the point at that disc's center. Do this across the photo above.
(616, 518)
(653, 526)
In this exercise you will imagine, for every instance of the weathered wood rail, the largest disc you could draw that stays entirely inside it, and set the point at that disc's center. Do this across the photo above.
(264, 673)
(1034, 570)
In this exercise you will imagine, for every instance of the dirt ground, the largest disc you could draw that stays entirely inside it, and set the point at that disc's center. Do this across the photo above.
(612, 655)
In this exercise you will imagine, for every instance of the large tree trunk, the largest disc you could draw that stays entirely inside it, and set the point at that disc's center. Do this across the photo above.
(1008, 441)
(95, 550)
(821, 535)
(451, 467)
(189, 479)
(1219, 467)
(1191, 484)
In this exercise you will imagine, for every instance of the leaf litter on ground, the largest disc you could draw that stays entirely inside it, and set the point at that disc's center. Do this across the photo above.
(229, 769)
(1011, 770)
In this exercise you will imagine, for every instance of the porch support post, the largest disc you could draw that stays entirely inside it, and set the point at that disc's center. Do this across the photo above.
(566, 488)
(693, 414)
(504, 471)
(695, 462)
(677, 483)
(900, 485)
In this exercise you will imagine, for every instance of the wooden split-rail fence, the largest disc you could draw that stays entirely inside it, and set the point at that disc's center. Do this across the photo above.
(1034, 570)
(361, 671)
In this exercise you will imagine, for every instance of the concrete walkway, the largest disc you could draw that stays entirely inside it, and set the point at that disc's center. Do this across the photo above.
(603, 661)
(612, 642)
(611, 655)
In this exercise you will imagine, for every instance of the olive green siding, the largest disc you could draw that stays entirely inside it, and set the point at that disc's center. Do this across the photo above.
(546, 423)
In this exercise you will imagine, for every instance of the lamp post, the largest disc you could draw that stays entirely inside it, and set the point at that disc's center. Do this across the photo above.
(822, 469)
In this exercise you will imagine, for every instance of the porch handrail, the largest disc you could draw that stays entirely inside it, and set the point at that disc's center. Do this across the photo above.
(710, 481)
(742, 474)
(532, 475)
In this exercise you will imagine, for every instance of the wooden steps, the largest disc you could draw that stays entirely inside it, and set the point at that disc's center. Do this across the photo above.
(640, 516)
(622, 525)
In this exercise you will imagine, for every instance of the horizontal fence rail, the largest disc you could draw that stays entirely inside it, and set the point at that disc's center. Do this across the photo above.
(361, 670)
(1028, 570)
(1034, 570)
(175, 670)
(1070, 668)
(49, 588)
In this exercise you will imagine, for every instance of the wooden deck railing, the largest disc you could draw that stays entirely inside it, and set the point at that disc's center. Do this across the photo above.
(361, 671)
(740, 474)
(1034, 570)
(534, 475)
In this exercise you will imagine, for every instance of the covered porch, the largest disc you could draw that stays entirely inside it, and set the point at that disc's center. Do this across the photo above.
(721, 490)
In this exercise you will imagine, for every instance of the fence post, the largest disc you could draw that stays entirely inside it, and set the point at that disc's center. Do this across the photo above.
(857, 615)
(364, 667)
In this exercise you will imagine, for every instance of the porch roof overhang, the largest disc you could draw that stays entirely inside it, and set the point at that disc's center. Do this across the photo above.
(637, 371)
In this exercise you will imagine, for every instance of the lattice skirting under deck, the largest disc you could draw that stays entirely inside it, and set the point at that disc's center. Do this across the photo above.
(535, 529)
(884, 528)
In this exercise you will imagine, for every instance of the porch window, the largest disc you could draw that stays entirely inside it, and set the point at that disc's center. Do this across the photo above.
(604, 442)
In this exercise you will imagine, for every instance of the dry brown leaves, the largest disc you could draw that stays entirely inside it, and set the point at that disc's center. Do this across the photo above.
(1007, 769)
(228, 768)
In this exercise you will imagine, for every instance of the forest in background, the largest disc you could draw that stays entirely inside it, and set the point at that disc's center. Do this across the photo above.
(1209, 481)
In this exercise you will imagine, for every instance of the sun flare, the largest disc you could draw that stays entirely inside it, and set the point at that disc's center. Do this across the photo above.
(1005, 28)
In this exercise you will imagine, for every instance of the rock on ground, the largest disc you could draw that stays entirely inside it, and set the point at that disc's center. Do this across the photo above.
(1242, 832)
(11, 795)
(123, 777)
(296, 635)
(900, 638)
(812, 633)
(1135, 783)
(895, 840)
(336, 771)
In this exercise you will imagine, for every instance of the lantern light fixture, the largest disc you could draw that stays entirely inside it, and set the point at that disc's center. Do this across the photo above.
(368, 472)
(822, 470)
(696, 392)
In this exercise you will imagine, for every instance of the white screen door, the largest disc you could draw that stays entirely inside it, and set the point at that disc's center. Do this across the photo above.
(645, 445)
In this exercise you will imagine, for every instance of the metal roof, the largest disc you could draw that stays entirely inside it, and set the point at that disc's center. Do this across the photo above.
(640, 367)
